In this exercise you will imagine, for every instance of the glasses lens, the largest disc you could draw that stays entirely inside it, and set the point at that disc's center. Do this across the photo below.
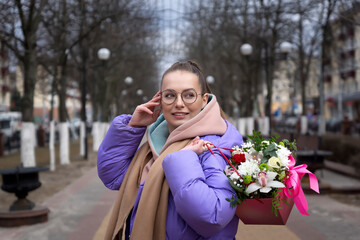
(189, 96)
(168, 97)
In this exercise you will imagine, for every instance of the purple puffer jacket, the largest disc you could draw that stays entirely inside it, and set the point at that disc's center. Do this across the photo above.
(197, 208)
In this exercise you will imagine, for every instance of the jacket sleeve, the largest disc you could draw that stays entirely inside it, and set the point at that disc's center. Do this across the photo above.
(116, 151)
(200, 190)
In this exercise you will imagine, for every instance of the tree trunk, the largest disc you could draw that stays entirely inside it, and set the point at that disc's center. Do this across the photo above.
(28, 130)
(82, 139)
(27, 144)
(96, 137)
(64, 143)
(52, 146)
(64, 128)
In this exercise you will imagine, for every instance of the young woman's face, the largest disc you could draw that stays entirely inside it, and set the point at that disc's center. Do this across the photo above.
(176, 86)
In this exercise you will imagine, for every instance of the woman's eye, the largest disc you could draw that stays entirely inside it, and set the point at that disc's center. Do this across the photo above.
(169, 95)
(189, 95)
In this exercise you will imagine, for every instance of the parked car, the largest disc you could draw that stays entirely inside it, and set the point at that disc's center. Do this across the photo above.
(291, 124)
(333, 125)
(10, 126)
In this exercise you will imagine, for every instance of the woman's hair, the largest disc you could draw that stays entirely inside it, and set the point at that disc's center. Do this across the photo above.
(192, 67)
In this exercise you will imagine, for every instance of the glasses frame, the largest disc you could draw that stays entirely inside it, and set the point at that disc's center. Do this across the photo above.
(177, 93)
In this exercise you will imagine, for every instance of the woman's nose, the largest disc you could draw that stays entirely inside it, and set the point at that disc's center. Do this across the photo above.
(179, 102)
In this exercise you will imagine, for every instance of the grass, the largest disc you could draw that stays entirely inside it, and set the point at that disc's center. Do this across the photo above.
(42, 155)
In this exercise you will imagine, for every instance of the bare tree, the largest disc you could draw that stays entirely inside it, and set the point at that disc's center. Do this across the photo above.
(19, 28)
(326, 40)
(222, 26)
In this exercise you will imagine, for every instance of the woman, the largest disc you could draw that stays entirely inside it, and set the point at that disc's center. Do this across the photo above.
(171, 187)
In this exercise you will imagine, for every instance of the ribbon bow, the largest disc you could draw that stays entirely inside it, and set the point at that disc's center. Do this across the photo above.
(293, 185)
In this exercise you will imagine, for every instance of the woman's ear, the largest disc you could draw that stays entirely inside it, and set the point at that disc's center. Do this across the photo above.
(205, 99)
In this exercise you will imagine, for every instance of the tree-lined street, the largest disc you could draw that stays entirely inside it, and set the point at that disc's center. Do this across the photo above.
(288, 67)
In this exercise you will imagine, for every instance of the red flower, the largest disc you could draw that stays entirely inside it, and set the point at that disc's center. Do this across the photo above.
(238, 158)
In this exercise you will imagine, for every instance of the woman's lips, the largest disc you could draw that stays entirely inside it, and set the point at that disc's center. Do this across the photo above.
(179, 115)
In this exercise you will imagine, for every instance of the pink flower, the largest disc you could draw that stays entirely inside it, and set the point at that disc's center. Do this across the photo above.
(265, 181)
(229, 171)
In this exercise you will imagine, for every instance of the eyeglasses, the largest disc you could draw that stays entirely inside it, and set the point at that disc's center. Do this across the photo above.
(188, 96)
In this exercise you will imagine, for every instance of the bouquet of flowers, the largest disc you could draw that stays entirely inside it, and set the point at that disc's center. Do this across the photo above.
(264, 176)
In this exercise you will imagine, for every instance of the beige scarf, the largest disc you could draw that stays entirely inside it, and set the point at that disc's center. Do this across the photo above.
(150, 220)
(155, 193)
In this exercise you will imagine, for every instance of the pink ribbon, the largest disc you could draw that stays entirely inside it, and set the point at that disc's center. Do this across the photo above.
(293, 185)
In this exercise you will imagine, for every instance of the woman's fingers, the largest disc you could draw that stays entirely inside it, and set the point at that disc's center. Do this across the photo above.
(145, 109)
(157, 94)
(209, 144)
(151, 104)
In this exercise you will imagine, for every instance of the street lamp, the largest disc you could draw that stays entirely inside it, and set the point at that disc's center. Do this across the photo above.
(128, 80)
(246, 49)
(285, 47)
(124, 92)
(210, 79)
(139, 92)
(125, 103)
(103, 54)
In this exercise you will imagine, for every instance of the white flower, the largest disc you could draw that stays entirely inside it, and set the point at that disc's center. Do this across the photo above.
(283, 154)
(265, 182)
(274, 163)
(234, 176)
(237, 150)
(247, 145)
(249, 167)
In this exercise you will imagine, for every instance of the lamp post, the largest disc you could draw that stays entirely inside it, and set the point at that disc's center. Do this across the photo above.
(104, 55)
(139, 93)
(246, 50)
(285, 47)
(84, 146)
(128, 82)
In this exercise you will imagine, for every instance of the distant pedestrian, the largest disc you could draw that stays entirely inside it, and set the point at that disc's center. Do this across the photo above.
(171, 187)
(346, 125)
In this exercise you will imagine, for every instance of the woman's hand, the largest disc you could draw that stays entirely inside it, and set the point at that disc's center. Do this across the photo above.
(198, 146)
(144, 114)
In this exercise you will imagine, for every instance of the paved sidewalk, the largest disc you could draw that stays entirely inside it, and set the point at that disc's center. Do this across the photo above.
(78, 212)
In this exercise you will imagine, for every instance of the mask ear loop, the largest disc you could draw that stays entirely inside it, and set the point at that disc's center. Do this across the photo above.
(208, 145)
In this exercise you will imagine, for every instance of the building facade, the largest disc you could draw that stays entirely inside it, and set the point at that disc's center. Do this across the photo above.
(341, 68)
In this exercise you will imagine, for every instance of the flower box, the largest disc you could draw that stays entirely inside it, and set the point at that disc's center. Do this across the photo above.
(259, 211)
(261, 170)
